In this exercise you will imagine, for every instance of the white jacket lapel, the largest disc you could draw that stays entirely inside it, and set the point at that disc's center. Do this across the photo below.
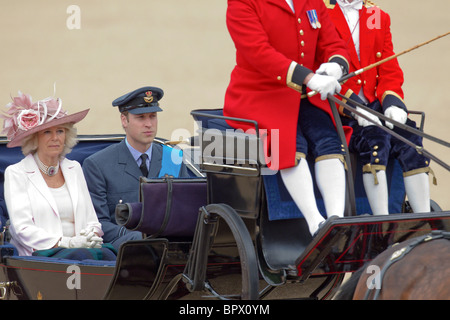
(35, 177)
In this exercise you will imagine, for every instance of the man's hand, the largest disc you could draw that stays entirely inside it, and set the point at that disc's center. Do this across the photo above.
(322, 84)
(364, 122)
(397, 114)
(331, 69)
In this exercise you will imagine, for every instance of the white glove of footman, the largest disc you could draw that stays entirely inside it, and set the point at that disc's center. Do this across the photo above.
(364, 122)
(330, 68)
(397, 114)
(324, 85)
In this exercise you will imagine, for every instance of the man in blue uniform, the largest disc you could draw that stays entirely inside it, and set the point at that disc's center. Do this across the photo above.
(113, 173)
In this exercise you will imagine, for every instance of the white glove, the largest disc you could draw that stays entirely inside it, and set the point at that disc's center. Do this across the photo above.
(397, 114)
(81, 242)
(331, 69)
(324, 85)
(88, 232)
(364, 122)
(90, 235)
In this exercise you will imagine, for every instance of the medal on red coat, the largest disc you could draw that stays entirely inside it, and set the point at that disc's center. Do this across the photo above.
(316, 19)
(313, 19)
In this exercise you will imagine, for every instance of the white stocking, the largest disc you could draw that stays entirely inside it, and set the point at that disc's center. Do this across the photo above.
(298, 182)
(330, 178)
(417, 189)
(377, 194)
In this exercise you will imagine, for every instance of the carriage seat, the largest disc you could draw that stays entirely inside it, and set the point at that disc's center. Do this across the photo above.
(85, 262)
(8, 250)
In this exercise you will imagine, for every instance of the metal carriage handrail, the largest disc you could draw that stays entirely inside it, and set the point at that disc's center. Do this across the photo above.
(244, 167)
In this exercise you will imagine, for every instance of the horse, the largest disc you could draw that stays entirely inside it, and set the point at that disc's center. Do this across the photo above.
(415, 269)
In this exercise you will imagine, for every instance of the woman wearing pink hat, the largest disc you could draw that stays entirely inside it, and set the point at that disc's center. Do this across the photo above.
(46, 194)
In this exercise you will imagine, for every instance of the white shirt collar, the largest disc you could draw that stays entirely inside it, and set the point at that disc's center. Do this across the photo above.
(355, 4)
(291, 4)
(136, 154)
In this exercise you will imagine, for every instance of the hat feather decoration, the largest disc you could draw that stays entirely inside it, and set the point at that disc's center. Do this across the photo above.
(23, 114)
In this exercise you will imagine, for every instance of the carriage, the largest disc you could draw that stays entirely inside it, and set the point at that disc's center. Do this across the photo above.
(230, 246)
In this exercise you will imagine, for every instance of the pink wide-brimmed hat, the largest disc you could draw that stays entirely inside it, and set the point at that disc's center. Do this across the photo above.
(25, 117)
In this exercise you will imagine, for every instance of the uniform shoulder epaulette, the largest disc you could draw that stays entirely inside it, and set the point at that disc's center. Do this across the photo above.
(330, 3)
(369, 4)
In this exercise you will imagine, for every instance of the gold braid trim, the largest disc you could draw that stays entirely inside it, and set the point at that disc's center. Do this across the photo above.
(333, 156)
(299, 156)
(387, 92)
(373, 169)
(369, 4)
(328, 4)
(289, 76)
(421, 170)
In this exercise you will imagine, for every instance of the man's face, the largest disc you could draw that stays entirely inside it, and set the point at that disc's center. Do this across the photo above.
(140, 129)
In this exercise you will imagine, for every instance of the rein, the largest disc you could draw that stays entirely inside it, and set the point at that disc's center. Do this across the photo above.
(401, 253)
(418, 149)
(395, 123)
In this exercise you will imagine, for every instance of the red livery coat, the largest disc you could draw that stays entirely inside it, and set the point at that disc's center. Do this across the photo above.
(268, 37)
(383, 82)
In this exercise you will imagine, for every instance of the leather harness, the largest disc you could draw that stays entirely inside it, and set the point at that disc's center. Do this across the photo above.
(401, 253)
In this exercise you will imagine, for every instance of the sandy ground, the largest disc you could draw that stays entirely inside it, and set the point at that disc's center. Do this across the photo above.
(183, 46)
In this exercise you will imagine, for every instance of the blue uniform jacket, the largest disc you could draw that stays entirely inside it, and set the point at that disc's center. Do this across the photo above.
(112, 175)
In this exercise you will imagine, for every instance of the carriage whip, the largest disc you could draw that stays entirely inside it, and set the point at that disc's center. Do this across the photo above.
(376, 64)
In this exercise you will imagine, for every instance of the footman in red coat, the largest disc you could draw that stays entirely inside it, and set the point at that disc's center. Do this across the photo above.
(279, 44)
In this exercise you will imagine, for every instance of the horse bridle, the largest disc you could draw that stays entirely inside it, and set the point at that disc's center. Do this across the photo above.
(401, 253)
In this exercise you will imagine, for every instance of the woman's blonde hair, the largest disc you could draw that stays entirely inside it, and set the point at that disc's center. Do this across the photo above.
(30, 143)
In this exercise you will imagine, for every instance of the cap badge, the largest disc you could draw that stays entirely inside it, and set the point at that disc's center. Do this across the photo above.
(148, 97)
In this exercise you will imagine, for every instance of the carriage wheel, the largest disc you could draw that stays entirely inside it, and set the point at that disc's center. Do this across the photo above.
(246, 249)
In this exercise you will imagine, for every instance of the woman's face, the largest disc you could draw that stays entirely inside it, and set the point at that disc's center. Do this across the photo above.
(51, 141)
